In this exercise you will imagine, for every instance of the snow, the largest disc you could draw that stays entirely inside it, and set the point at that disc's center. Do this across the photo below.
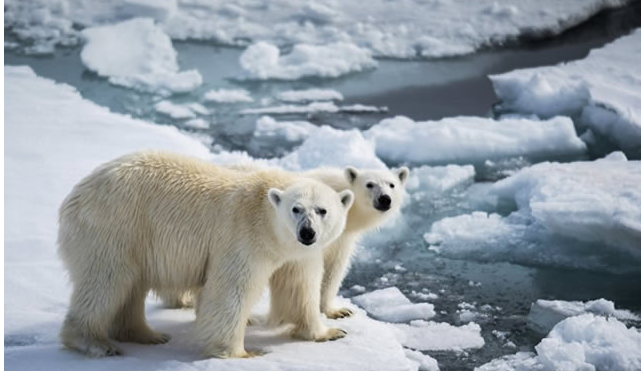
(47, 151)
(428, 335)
(297, 96)
(399, 29)
(584, 342)
(197, 123)
(544, 314)
(136, 54)
(603, 92)
(264, 61)
(473, 139)
(580, 214)
(228, 96)
(391, 305)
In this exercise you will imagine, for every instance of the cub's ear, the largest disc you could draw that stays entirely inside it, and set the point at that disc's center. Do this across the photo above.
(347, 198)
(275, 196)
(351, 174)
(402, 173)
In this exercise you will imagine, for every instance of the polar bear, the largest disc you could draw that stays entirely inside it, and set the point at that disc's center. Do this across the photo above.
(160, 221)
(378, 195)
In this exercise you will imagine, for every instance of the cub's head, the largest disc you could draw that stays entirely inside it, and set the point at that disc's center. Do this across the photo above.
(311, 213)
(377, 191)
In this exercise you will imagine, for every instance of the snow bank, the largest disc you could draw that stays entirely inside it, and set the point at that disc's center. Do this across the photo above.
(136, 54)
(47, 151)
(391, 305)
(263, 61)
(405, 29)
(428, 335)
(473, 139)
(589, 212)
(603, 91)
(296, 96)
(584, 342)
(545, 314)
(228, 96)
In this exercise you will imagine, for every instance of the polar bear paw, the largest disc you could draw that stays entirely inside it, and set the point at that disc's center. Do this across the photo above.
(339, 313)
(331, 335)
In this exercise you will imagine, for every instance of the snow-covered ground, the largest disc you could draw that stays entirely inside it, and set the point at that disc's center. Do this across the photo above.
(400, 29)
(602, 92)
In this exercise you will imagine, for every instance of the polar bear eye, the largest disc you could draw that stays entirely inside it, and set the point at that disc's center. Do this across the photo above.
(391, 185)
(370, 185)
(322, 212)
(296, 210)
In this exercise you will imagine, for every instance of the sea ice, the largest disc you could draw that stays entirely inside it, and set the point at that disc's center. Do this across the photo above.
(136, 54)
(391, 305)
(309, 95)
(264, 61)
(589, 212)
(426, 363)
(428, 335)
(473, 139)
(228, 96)
(291, 131)
(602, 91)
(545, 314)
(313, 107)
(584, 342)
(399, 29)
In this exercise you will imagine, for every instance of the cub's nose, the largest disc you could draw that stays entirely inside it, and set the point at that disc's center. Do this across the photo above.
(383, 203)
(306, 236)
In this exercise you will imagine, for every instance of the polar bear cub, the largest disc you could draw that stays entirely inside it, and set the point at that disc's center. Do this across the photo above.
(378, 195)
(160, 221)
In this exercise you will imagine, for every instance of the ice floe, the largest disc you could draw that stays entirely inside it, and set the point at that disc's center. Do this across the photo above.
(297, 96)
(584, 342)
(228, 96)
(428, 335)
(580, 214)
(313, 107)
(264, 61)
(545, 314)
(391, 305)
(473, 139)
(602, 92)
(136, 54)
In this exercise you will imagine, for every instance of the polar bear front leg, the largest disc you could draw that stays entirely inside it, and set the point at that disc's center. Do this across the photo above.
(295, 298)
(224, 306)
(336, 262)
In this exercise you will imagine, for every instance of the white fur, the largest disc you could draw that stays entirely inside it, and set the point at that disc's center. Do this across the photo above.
(170, 223)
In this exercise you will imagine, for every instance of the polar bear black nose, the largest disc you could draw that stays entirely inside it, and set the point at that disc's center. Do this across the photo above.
(307, 236)
(383, 203)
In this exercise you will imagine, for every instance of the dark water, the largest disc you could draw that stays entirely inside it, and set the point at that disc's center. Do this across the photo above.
(427, 89)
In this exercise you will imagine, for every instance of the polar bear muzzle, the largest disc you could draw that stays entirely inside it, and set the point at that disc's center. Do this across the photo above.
(383, 203)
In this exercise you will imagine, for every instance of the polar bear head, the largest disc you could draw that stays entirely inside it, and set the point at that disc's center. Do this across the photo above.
(377, 193)
(310, 212)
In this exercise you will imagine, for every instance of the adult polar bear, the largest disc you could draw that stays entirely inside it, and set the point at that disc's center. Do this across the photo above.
(378, 195)
(152, 220)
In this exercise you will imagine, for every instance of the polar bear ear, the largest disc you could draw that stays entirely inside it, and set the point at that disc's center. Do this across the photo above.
(402, 173)
(351, 174)
(275, 196)
(347, 198)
